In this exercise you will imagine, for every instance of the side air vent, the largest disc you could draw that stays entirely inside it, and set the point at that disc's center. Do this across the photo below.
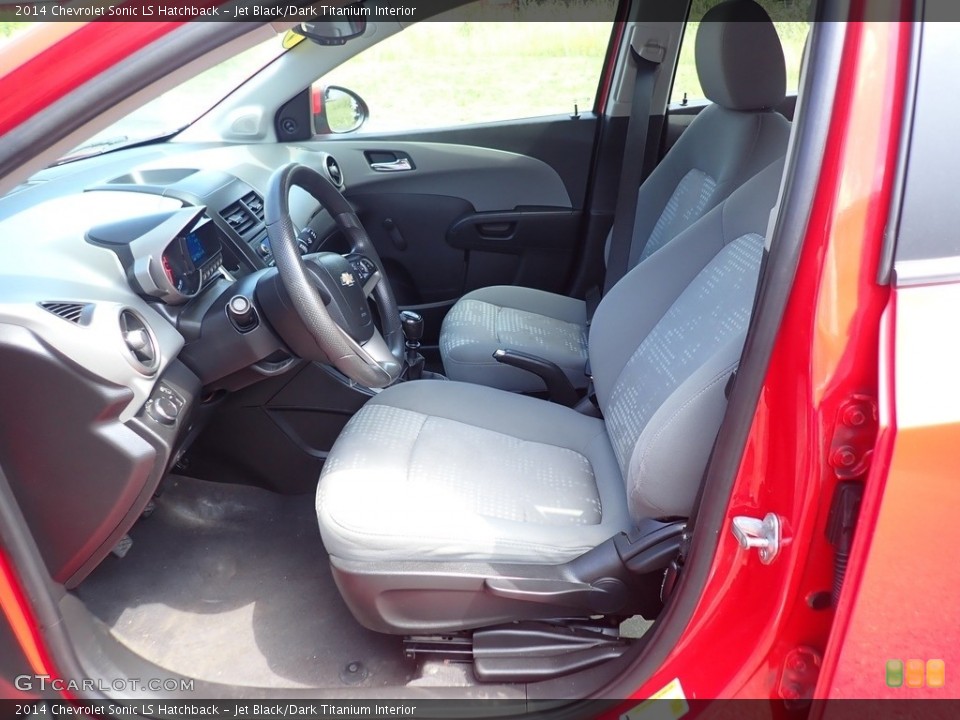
(77, 313)
(254, 204)
(333, 170)
(141, 344)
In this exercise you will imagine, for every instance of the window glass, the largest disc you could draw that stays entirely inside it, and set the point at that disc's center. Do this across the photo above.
(790, 19)
(182, 105)
(441, 74)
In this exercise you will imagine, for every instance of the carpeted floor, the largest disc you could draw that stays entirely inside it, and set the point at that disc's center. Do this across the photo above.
(231, 584)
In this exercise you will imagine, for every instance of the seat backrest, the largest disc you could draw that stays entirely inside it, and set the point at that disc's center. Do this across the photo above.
(665, 341)
(742, 71)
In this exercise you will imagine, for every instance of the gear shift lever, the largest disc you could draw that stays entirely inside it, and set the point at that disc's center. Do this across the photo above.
(412, 324)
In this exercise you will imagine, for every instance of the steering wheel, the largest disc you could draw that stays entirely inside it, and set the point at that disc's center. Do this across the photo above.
(329, 291)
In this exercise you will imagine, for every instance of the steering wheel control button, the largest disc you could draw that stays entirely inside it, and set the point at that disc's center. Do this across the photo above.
(164, 410)
(363, 268)
(242, 314)
(306, 240)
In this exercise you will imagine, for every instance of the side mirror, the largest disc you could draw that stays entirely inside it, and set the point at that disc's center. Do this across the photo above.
(337, 110)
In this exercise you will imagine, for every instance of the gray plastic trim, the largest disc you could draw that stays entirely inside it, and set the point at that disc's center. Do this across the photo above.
(488, 179)
(50, 261)
(148, 252)
(928, 272)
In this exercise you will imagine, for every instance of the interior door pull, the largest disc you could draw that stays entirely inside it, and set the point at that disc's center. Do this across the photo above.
(497, 230)
(395, 235)
(401, 164)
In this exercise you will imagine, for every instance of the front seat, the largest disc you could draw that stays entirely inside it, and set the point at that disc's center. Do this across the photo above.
(448, 505)
(741, 68)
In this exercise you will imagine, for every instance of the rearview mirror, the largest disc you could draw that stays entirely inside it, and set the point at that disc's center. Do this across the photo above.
(337, 110)
(331, 32)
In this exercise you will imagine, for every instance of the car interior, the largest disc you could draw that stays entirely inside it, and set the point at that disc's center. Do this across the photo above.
(384, 414)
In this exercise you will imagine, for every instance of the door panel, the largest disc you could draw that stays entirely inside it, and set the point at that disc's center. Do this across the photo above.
(526, 244)
(562, 142)
(452, 210)
(488, 177)
(409, 232)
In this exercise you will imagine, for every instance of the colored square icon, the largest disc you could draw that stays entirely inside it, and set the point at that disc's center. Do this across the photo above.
(894, 673)
(936, 673)
(915, 671)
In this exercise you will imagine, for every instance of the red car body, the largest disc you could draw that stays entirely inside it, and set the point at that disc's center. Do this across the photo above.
(756, 631)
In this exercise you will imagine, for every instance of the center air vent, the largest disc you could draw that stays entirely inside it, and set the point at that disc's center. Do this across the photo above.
(245, 215)
(77, 313)
(333, 170)
(254, 204)
(140, 342)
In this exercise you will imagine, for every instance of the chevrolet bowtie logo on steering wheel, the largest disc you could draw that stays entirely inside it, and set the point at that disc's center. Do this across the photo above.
(346, 279)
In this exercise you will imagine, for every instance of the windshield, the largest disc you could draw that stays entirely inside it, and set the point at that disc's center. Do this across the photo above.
(180, 107)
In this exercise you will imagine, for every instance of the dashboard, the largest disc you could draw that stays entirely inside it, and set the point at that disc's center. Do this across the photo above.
(115, 326)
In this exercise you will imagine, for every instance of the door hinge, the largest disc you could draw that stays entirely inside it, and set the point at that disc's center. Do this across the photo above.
(854, 435)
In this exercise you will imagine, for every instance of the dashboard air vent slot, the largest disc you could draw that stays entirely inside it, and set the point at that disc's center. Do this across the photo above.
(333, 170)
(77, 313)
(254, 204)
(140, 342)
(239, 218)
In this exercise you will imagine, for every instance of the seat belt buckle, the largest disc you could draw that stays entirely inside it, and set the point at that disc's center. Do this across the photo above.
(591, 394)
(592, 299)
(672, 573)
(670, 577)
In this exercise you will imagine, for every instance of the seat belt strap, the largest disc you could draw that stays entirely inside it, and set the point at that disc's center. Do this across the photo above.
(646, 62)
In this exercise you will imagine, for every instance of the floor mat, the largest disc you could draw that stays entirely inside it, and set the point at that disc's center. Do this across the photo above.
(231, 584)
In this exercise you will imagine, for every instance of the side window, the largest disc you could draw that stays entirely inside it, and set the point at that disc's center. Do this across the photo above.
(790, 20)
(442, 74)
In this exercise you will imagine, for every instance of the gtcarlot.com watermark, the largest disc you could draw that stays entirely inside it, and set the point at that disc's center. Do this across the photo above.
(41, 683)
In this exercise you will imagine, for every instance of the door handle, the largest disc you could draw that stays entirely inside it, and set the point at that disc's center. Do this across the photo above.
(497, 230)
(401, 164)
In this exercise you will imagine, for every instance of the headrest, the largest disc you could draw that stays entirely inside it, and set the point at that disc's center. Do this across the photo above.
(739, 57)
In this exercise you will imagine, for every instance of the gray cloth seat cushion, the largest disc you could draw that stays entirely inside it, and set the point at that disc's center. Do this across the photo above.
(550, 326)
(432, 470)
(741, 65)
